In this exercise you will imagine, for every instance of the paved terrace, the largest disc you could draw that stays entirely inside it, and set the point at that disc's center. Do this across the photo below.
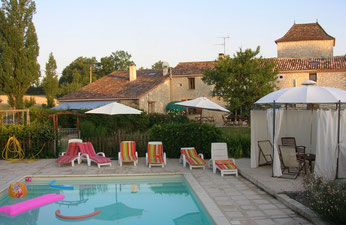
(239, 200)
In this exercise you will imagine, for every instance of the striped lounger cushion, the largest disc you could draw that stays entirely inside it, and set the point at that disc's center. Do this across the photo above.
(87, 148)
(155, 154)
(128, 151)
(71, 154)
(226, 165)
(192, 157)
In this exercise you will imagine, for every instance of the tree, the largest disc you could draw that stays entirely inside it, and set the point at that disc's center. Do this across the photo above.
(80, 69)
(242, 80)
(50, 82)
(157, 65)
(18, 50)
(119, 60)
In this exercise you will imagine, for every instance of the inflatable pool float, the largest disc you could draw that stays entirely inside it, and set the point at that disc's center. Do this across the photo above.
(31, 204)
(51, 184)
(57, 213)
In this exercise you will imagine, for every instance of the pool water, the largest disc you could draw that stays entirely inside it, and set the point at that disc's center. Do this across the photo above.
(148, 200)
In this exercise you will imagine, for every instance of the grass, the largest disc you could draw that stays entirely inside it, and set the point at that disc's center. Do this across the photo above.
(233, 131)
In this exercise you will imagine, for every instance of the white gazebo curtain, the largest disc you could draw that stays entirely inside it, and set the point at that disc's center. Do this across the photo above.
(275, 139)
(317, 130)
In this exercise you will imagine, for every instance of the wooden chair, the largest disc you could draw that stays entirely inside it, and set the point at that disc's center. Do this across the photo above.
(291, 141)
(289, 161)
(266, 150)
(226, 121)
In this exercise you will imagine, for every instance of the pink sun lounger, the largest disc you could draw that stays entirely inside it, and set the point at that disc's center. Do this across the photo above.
(31, 204)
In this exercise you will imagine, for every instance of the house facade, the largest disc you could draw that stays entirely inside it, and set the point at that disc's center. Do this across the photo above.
(305, 52)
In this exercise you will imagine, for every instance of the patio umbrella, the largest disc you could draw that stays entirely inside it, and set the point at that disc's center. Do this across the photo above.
(114, 108)
(307, 94)
(202, 103)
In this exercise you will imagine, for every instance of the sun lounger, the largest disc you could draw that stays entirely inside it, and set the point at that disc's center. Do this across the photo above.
(87, 152)
(290, 161)
(71, 155)
(189, 155)
(75, 140)
(266, 150)
(220, 161)
(155, 155)
(291, 141)
(128, 153)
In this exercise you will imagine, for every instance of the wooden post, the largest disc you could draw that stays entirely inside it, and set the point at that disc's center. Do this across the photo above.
(91, 74)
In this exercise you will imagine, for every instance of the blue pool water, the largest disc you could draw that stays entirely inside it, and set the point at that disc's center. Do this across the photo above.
(158, 200)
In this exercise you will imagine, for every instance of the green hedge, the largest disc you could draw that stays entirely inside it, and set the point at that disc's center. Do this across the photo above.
(177, 135)
(34, 138)
(239, 146)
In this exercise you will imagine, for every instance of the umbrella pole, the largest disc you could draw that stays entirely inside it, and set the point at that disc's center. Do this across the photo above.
(338, 144)
(273, 138)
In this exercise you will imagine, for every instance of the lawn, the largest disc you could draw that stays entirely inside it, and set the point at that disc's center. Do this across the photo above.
(232, 131)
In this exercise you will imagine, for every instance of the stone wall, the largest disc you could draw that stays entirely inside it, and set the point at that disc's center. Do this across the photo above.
(40, 99)
(327, 79)
(159, 95)
(305, 49)
(180, 91)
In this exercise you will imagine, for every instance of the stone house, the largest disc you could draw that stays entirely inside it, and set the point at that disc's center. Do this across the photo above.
(144, 89)
(305, 52)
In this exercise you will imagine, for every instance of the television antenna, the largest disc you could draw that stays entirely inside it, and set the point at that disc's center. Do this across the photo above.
(224, 43)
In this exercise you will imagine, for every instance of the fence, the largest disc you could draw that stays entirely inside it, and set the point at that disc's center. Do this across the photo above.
(32, 148)
(111, 145)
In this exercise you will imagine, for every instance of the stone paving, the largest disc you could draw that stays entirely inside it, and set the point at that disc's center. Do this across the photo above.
(238, 199)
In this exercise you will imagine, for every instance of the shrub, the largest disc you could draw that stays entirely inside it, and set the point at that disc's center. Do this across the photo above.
(170, 117)
(88, 129)
(29, 102)
(36, 138)
(238, 145)
(326, 198)
(177, 135)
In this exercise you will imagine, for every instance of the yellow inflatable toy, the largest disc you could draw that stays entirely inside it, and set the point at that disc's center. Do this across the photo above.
(17, 190)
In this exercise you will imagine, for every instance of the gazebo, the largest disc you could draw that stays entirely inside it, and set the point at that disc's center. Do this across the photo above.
(314, 115)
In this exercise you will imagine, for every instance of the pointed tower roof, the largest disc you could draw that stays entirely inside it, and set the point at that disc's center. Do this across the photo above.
(306, 32)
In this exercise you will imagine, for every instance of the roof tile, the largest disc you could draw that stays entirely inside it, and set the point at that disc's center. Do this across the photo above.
(305, 32)
(116, 85)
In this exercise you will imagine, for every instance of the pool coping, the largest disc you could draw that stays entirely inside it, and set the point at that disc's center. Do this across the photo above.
(215, 213)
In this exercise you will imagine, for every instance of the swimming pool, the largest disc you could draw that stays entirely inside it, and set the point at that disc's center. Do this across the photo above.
(122, 200)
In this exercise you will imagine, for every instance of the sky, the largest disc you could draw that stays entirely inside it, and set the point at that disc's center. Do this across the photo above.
(175, 30)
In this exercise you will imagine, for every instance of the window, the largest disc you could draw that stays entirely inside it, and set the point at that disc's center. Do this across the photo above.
(191, 83)
(281, 77)
(151, 106)
(313, 76)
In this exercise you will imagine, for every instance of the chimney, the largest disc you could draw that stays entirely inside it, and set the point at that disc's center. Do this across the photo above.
(165, 68)
(221, 56)
(133, 72)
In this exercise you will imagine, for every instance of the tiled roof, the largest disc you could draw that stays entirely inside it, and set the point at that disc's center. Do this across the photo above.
(284, 65)
(296, 64)
(188, 68)
(305, 32)
(117, 86)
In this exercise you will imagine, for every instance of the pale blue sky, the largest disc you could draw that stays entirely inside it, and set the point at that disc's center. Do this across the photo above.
(175, 31)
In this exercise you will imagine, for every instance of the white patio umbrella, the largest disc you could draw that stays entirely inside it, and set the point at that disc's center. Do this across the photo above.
(307, 94)
(114, 108)
(202, 103)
